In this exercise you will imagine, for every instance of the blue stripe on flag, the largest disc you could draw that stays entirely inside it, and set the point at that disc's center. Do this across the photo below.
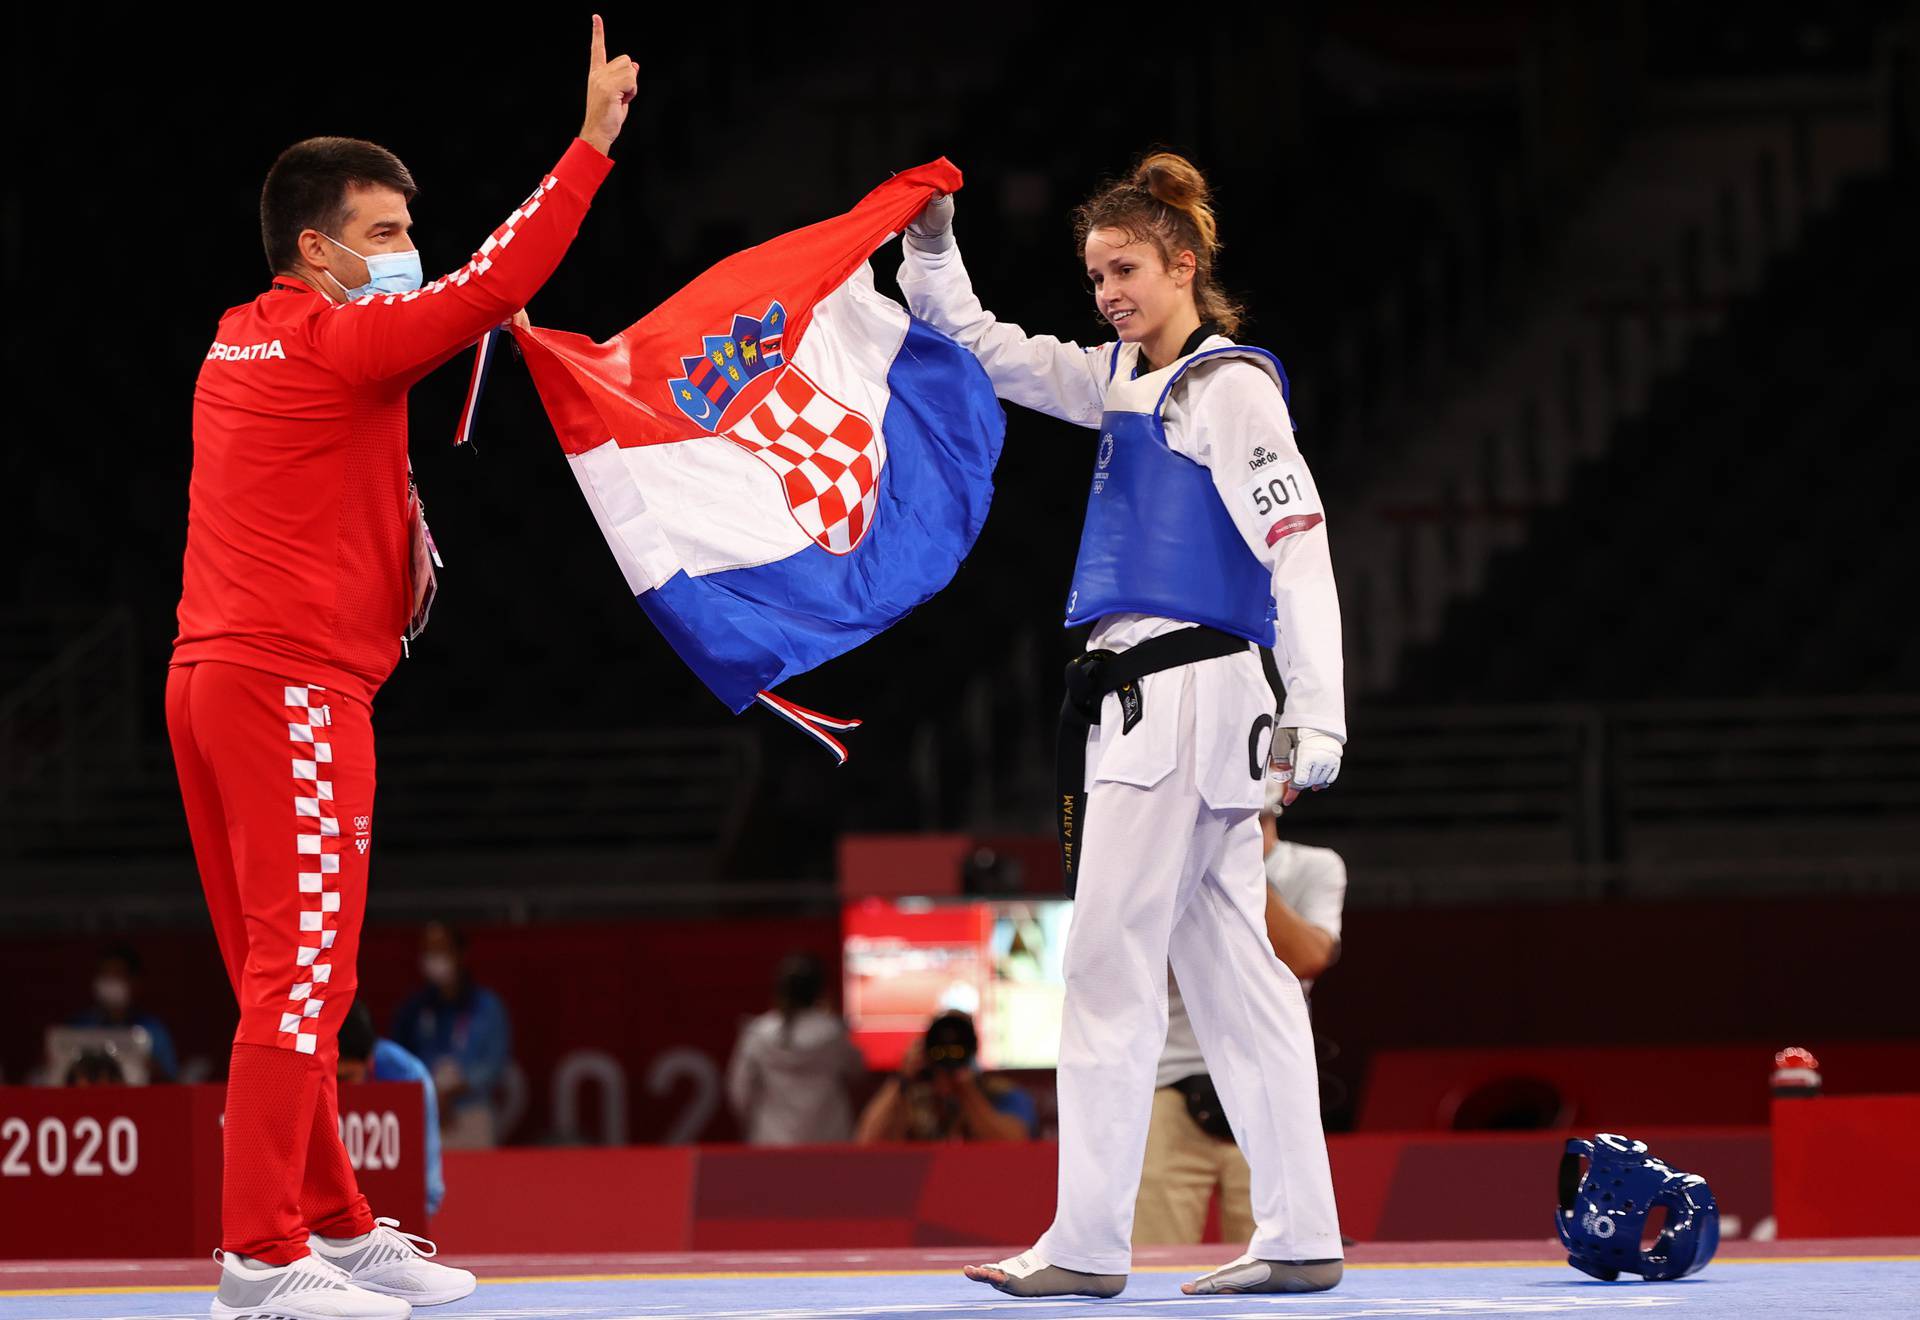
(748, 628)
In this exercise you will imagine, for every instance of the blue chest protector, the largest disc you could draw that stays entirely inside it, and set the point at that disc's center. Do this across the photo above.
(1157, 539)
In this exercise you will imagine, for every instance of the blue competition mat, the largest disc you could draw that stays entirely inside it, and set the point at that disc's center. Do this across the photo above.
(1859, 1288)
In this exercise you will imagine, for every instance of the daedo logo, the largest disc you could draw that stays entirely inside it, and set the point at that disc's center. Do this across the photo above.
(827, 456)
(1261, 457)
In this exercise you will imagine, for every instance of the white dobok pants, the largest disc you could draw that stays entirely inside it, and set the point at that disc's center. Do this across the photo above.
(1171, 869)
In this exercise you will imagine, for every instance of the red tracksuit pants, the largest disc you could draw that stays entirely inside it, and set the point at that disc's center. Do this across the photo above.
(277, 777)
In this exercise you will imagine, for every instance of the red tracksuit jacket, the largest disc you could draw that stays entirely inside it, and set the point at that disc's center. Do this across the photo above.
(298, 528)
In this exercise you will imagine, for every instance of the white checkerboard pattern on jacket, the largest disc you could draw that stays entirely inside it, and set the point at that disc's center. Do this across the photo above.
(480, 263)
(317, 854)
(827, 456)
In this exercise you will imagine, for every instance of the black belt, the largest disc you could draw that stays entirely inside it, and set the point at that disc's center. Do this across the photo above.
(1089, 679)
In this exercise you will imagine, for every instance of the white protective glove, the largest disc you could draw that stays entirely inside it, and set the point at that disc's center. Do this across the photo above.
(932, 230)
(1303, 759)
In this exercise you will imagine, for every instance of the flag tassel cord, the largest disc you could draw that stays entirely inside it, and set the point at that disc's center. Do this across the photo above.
(483, 357)
(811, 722)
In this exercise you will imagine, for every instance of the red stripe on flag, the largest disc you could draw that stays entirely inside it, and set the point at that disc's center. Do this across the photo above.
(1286, 527)
(591, 389)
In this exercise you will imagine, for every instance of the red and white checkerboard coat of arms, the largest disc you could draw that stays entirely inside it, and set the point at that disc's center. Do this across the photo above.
(828, 457)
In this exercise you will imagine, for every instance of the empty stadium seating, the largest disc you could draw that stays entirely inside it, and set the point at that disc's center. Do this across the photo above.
(1744, 537)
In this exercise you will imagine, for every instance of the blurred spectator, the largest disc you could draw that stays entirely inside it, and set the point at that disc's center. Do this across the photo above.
(1190, 1147)
(791, 1067)
(460, 1031)
(365, 1056)
(940, 1093)
(116, 990)
(95, 1068)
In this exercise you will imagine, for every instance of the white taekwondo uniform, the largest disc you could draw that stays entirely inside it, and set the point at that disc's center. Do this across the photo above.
(1170, 868)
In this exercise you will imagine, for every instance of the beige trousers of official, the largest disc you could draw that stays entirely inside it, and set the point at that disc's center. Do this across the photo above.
(1171, 875)
(1183, 1167)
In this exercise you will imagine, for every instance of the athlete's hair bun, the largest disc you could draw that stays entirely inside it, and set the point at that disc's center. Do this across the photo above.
(1175, 182)
(1165, 200)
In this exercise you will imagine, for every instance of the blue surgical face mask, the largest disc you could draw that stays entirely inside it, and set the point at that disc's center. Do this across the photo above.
(387, 272)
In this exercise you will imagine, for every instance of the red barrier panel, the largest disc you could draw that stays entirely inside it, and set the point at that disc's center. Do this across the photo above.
(1463, 1187)
(1846, 1166)
(1398, 1187)
(579, 1199)
(109, 1171)
(137, 1170)
(883, 1196)
(132, 1171)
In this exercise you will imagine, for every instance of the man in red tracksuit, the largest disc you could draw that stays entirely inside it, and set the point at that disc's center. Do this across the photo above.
(306, 562)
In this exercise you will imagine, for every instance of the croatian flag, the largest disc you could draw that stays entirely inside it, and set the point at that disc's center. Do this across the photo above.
(783, 461)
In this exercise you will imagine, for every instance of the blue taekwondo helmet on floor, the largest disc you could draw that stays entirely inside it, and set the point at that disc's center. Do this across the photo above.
(1602, 1215)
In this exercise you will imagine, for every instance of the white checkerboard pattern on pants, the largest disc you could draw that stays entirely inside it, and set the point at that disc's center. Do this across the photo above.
(317, 850)
(827, 456)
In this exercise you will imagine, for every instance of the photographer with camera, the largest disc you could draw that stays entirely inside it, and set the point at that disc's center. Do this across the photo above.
(940, 1094)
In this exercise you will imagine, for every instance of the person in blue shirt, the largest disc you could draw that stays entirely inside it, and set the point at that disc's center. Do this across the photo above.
(366, 1057)
(461, 1032)
(116, 983)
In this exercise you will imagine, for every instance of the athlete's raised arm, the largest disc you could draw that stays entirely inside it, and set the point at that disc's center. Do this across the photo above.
(1049, 375)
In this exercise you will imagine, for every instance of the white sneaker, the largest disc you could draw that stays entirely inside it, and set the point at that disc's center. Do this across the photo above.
(311, 1288)
(396, 1264)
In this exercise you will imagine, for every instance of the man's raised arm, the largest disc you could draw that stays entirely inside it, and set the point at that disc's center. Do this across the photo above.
(383, 336)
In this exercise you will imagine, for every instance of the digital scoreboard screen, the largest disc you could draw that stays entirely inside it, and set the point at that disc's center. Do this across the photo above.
(908, 959)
